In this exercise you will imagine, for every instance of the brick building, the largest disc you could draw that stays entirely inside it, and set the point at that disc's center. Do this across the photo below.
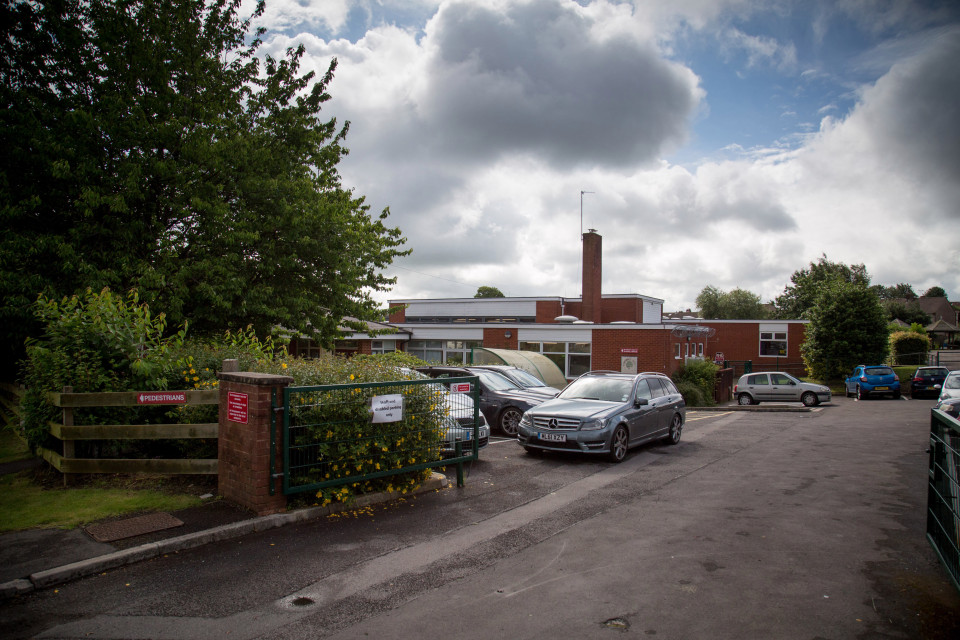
(595, 331)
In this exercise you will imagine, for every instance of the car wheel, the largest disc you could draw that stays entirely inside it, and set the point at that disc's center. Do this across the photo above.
(846, 391)
(618, 444)
(744, 399)
(676, 428)
(861, 394)
(809, 399)
(510, 421)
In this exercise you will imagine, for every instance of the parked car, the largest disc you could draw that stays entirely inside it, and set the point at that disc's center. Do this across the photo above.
(605, 412)
(950, 406)
(501, 401)
(951, 386)
(927, 380)
(523, 379)
(460, 416)
(872, 380)
(776, 386)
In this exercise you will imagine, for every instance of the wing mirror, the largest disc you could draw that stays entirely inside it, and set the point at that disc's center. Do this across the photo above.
(640, 402)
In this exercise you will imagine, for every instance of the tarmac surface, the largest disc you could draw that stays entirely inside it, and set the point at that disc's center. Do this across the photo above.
(781, 523)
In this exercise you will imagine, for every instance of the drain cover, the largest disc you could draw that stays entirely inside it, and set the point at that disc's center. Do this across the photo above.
(119, 529)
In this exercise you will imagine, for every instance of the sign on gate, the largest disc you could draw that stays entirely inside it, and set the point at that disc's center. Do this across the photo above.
(387, 408)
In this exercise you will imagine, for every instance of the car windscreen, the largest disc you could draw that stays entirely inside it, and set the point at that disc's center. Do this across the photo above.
(607, 389)
(494, 381)
(877, 371)
(952, 382)
(527, 379)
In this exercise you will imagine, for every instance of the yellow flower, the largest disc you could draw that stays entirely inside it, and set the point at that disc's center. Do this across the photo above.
(351, 377)
(284, 365)
(191, 370)
(195, 378)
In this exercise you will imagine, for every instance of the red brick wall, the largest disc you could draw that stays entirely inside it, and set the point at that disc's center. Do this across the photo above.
(399, 316)
(741, 341)
(622, 309)
(244, 449)
(547, 310)
(653, 349)
(592, 276)
(495, 338)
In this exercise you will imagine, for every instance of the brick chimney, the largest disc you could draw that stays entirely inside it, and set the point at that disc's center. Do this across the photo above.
(592, 249)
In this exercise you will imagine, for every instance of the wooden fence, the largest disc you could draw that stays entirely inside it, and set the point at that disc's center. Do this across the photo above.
(67, 463)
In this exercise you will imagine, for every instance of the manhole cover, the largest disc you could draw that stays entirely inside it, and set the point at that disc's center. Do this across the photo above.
(119, 529)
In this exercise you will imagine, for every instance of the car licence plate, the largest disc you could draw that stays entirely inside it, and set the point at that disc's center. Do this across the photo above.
(552, 437)
(881, 388)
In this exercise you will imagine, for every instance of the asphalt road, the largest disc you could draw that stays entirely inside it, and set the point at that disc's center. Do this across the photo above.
(758, 525)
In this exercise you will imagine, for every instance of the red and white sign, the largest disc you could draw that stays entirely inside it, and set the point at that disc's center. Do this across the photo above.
(237, 407)
(629, 350)
(162, 397)
(460, 387)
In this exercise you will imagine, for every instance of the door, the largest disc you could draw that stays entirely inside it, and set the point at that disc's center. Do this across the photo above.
(758, 384)
(783, 389)
(643, 420)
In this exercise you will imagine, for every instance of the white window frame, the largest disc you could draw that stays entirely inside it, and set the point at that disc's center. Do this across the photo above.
(774, 334)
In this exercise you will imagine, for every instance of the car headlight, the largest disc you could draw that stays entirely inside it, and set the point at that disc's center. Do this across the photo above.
(525, 421)
(592, 425)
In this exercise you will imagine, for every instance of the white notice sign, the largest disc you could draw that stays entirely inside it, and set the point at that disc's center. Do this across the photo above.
(387, 408)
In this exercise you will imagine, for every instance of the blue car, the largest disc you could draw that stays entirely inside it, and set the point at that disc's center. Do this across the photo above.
(878, 380)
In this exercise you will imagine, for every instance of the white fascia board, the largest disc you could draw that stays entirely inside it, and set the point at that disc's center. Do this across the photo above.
(473, 307)
(446, 332)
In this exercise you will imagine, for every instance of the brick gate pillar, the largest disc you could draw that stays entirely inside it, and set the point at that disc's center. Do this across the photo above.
(243, 445)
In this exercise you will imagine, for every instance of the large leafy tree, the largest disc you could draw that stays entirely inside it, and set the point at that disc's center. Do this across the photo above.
(148, 145)
(799, 297)
(935, 292)
(488, 292)
(738, 304)
(847, 327)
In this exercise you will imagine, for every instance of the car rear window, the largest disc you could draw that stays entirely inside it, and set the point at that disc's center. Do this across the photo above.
(878, 371)
(933, 372)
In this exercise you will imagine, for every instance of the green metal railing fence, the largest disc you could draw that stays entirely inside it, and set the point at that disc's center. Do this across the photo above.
(352, 434)
(943, 492)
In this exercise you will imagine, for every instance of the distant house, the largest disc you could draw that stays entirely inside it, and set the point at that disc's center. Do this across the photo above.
(944, 316)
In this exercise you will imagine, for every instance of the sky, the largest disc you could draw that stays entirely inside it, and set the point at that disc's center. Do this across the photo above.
(727, 143)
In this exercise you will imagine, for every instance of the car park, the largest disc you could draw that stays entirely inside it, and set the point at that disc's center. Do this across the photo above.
(927, 381)
(523, 379)
(951, 386)
(501, 401)
(777, 386)
(872, 380)
(606, 413)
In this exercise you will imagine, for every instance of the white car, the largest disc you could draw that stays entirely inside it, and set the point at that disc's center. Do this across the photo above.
(460, 415)
(951, 386)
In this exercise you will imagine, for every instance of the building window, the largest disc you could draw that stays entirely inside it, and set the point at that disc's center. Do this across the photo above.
(676, 350)
(443, 351)
(383, 346)
(573, 358)
(773, 340)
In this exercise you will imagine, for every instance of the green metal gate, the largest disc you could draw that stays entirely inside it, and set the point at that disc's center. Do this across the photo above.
(943, 492)
(358, 438)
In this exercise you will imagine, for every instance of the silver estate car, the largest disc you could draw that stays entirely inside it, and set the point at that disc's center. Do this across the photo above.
(606, 412)
(776, 386)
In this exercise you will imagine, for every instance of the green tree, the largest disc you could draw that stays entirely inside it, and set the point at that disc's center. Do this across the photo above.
(488, 292)
(908, 312)
(147, 146)
(935, 292)
(738, 304)
(847, 327)
(798, 298)
(900, 291)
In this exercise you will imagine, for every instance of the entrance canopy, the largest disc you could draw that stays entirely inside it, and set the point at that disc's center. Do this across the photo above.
(530, 361)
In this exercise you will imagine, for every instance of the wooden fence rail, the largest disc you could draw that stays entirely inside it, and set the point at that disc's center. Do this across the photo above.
(67, 462)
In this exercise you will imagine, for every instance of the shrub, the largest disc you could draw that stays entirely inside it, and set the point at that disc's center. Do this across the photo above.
(701, 374)
(909, 347)
(692, 394)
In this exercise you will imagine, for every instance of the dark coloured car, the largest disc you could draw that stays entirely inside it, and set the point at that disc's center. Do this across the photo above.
(875, 380)
(951, 407)
(927, 381)
(501, 401)
(524, 379)
(605, 412)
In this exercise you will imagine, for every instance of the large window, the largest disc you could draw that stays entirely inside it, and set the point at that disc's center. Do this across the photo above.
(573, 358)
(773, 340)
(383, 346)
(443, 351)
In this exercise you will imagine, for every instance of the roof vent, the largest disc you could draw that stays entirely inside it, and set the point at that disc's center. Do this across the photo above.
(565, 319)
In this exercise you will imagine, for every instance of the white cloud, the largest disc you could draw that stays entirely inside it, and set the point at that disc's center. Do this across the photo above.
(480, 130)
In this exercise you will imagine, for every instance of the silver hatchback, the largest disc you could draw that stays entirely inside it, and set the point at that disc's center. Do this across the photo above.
(776, 386)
